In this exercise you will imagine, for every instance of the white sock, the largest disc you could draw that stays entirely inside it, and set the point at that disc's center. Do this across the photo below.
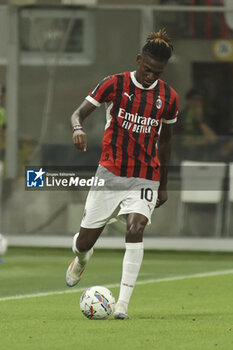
(83, 257)
(131, 265)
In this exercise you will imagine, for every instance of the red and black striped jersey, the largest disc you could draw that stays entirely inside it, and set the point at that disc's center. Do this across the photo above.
(133, 120)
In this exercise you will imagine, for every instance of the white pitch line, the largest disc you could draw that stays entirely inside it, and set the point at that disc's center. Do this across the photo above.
(158, 280)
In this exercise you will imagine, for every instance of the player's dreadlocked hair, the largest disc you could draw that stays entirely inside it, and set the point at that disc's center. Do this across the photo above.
(158, 45)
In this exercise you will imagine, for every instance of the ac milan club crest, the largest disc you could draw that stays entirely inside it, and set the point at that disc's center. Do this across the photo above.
(158, 103)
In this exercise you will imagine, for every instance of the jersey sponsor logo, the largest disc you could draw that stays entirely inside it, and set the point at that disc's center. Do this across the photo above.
(135, 122)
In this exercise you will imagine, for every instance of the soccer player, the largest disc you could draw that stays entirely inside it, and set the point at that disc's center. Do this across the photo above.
(140, 111)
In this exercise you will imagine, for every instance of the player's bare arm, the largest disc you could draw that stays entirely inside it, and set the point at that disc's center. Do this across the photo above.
(77, 118)
(164, 152)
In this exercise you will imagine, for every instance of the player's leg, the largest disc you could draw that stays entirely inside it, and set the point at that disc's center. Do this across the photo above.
(99, 207)
(131, 263)
(82, 247)
(139, 205)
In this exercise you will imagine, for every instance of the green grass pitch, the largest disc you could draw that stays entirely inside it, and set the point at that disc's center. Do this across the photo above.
(171, 309)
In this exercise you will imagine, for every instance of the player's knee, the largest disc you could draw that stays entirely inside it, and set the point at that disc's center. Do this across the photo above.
(135, 230)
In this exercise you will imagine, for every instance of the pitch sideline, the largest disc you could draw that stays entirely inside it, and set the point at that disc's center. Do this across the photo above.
(159, 280)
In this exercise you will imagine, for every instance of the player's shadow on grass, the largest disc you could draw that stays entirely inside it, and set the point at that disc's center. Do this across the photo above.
(185, 316)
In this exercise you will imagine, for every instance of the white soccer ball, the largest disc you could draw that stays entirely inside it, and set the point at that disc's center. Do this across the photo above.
(97, 303)
(3, 245)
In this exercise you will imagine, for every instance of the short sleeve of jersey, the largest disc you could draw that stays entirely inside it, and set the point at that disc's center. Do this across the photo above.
(103, 91)
(172, 112)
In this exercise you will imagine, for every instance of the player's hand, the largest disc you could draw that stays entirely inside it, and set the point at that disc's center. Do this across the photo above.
(80, 140)
(162, 197)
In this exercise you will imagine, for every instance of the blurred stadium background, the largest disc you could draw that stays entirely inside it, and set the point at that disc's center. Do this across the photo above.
(53, 53)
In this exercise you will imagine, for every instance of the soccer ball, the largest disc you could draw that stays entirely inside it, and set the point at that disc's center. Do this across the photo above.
(3, 245)
(97, 303)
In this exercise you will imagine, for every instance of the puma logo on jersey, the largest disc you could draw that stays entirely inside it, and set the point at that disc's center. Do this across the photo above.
(129, 96)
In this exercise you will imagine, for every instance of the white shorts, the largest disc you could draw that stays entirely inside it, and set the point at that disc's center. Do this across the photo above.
(133, 195)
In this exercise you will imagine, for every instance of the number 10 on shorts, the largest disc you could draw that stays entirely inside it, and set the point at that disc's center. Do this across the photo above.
(147, 193)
